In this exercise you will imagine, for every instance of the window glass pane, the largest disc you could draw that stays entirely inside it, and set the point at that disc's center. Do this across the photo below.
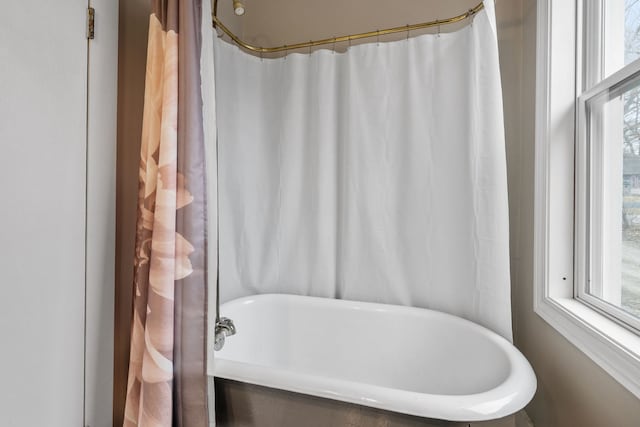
(630, 292)
(617, 34)
(614, 196)
(631, 30)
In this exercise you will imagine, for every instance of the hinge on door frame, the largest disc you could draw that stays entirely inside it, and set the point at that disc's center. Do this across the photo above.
(91, 22)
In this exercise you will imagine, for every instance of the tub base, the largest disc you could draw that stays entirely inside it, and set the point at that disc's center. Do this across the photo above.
(240, 404)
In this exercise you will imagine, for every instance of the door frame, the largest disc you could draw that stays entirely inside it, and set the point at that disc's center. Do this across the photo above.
(100, 266)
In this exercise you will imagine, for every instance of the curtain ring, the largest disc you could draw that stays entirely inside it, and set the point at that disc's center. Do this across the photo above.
(378, 37)
(310, 42)
(261, 53)
(334, 45)
(470, 16)
(408, 31)
(286, 52)
(438, 21)
(349, 41)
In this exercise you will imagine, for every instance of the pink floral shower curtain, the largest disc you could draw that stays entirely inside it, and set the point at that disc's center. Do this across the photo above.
(167, 369)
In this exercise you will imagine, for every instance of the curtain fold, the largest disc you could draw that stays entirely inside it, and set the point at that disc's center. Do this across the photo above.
(378, 174)
(208, 89)
(167, 369)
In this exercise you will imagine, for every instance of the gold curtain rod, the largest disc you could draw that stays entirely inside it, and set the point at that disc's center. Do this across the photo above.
(334, 40)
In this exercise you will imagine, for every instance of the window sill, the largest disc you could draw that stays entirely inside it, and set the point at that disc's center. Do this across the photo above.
(611, 346)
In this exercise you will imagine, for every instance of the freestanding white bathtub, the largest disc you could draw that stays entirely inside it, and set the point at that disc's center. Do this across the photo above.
(401, 359)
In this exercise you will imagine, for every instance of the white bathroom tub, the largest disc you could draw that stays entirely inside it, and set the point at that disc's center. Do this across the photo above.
(401, 359)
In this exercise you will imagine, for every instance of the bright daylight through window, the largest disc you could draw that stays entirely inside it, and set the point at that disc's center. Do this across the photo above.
(608, 191)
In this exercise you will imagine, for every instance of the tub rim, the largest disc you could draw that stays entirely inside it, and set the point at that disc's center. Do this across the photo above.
(506, 398)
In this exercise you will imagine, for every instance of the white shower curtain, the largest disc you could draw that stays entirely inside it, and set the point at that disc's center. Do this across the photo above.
(378, 174)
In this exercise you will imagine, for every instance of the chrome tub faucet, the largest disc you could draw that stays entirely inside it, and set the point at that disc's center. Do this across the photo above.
(224, 328)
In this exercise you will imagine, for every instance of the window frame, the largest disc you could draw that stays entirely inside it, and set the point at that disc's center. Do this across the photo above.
(584, 197)
(609, 344)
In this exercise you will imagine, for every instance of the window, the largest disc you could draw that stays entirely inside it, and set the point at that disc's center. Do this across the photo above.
(608, 162)
(587, 189)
